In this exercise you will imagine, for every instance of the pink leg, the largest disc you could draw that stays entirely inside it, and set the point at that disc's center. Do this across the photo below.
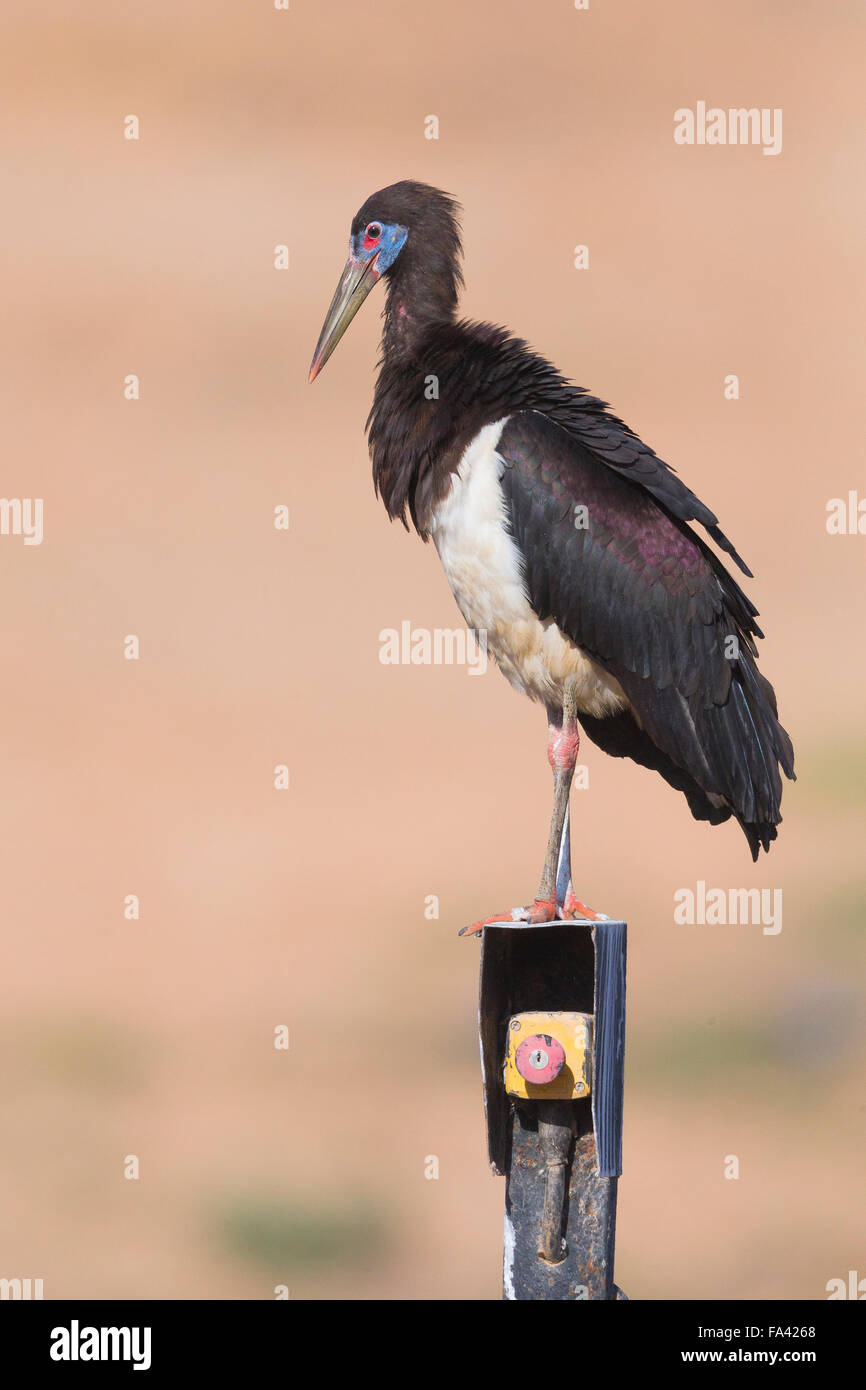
(563, 744)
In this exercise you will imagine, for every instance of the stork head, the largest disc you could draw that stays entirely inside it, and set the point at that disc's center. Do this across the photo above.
(408, 226)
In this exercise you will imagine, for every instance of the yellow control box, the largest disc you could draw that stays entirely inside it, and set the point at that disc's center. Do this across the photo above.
(549, 1056)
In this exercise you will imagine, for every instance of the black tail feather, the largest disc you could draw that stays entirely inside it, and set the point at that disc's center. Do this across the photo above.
(738, 747)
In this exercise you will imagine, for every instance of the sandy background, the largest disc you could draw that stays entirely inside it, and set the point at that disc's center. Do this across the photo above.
(306, 907)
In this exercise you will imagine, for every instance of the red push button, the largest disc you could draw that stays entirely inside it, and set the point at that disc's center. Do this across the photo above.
(540, 1059)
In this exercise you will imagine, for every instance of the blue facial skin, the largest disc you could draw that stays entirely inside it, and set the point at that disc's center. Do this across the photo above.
(388, 245)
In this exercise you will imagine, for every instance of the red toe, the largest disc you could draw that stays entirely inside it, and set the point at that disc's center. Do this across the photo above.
(541, 910)
(574, 910)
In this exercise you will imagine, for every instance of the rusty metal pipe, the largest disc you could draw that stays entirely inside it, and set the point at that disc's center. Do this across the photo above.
(556, 1136)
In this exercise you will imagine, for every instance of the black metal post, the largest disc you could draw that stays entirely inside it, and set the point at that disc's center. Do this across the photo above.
(559, 1148)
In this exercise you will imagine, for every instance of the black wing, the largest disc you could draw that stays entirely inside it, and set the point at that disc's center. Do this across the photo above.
(600, 523)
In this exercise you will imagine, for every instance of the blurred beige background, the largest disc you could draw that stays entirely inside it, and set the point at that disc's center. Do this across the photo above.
(155, 777)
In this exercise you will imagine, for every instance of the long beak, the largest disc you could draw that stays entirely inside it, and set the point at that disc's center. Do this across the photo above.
(356, 282)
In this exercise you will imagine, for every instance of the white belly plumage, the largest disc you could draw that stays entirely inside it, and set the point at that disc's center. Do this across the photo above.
(484, 569)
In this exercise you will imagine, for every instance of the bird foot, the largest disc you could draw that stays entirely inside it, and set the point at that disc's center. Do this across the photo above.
(542, 910)
(573, 910)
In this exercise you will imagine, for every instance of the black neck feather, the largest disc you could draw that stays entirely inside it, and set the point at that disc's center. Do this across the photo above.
(422, 295)
(440, 382)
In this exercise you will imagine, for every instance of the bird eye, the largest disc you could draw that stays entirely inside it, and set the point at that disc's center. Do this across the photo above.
(373, 231)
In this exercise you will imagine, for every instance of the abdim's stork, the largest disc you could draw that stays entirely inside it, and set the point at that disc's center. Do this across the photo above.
(564, 539)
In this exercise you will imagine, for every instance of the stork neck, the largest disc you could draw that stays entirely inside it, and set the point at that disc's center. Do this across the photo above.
(418, 299)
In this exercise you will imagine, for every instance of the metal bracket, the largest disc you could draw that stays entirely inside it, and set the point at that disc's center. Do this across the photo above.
(558, 966)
